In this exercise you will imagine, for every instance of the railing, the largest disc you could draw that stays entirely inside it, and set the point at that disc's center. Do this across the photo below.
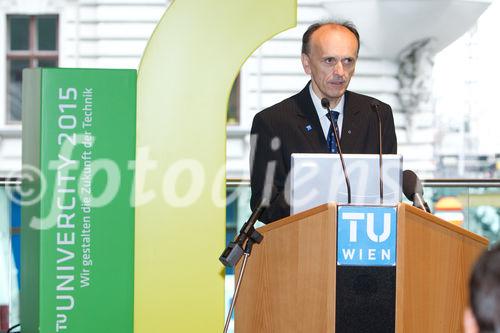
(472, 203)
(444, 182)
(232, 182)
(461, 183)
(10, 181)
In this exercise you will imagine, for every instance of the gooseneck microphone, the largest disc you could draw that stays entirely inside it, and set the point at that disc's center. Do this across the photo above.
(413, 190)
(375, 106)
(325, 103)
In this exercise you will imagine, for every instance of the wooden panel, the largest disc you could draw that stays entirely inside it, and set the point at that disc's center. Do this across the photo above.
(433, 265)
(290, 279)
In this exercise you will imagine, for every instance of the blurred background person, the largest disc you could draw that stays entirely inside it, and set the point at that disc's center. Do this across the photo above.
(483, 314)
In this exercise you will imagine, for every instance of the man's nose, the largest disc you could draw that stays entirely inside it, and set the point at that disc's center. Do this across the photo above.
(338, 69)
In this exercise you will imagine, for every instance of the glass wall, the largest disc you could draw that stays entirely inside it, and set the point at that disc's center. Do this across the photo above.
(472, 204)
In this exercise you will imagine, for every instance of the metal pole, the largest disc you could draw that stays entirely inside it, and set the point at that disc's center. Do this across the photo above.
(236, 291)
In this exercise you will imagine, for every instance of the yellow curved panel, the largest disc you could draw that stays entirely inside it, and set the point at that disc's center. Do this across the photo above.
(184, 82)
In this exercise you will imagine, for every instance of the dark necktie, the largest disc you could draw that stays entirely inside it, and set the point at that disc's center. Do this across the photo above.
(332, 145)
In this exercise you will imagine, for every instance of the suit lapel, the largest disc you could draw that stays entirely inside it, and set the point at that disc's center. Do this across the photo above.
(309, 123)
(350, 123)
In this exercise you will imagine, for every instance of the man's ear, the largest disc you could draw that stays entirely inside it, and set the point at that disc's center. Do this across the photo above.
(305, 63)
(470, 323)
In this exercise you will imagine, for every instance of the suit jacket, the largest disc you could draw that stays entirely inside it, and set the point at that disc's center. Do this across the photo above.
(293, 126)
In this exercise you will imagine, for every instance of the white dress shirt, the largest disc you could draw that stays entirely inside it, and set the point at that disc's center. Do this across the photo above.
(325, 123)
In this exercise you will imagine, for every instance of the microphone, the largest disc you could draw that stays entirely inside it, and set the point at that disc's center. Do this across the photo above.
(234, 251)
(375, 108)
(413, 190)
(325, 103)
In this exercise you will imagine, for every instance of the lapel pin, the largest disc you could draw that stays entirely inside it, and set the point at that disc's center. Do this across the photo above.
(309, 128)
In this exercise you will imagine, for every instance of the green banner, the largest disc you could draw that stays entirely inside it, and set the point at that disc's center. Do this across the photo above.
(77, 272)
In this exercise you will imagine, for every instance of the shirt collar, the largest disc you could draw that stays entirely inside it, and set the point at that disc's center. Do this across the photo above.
(319, 108)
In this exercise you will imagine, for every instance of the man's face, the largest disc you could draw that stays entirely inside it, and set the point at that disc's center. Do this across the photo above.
(331, 61)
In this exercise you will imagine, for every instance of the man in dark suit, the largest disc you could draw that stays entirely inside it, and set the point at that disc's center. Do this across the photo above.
(299, 124)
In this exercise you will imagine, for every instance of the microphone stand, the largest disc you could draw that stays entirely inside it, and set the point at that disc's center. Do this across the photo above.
(246, 255)
(326, 104)
(419, 202)
(246, 239)
(375, 107)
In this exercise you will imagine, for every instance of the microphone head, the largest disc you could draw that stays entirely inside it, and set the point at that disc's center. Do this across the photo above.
(411, 185)
(374, 105)
(325, 103)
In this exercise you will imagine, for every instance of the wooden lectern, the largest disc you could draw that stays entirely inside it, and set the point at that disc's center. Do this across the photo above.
(291, 281)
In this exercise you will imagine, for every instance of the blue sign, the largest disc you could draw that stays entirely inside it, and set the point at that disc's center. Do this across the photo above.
(366, 236)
